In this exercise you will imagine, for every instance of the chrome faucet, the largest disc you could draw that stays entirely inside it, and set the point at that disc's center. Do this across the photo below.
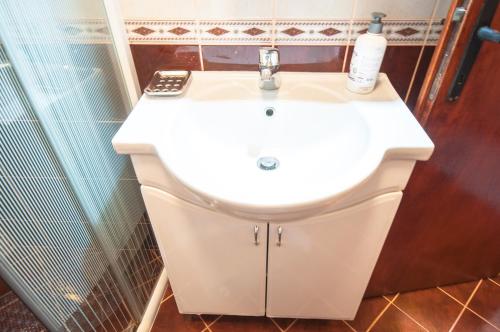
(269, 63)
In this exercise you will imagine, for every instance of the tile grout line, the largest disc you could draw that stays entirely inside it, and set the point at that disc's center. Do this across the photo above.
(273, 25)
(215, 321)
(9, 303)
(376, 319)
(484, 319)
(167, 298)
(274, 322)
(457, 300)
(471, 310)
(349, 34)
(349, 326)
(410, 317)
(493, 281)
(198, 35)
(291, 324)
(465, 306)
(204, 323)
(419, 59)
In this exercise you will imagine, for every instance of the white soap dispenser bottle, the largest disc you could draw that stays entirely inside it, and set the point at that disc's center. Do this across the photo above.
(367, 57)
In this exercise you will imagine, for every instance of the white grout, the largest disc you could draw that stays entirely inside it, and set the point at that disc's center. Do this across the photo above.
(382, 312)
(424, 44)
(493, 281)
(349, 326)
(277, 325)
(349, 34)
(465, 306)
(290, 326)
(410, 317)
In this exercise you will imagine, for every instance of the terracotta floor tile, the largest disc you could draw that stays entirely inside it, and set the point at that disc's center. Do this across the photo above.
(486, 302)
(470, 322)
(315, 325)
(168, 291)
(169, 319)
(496, 280)
(390, 296)
(209, 319)
(394, 320)
(244, 324)
(284, 323)
(367, 312)
(460, 291)
(432, 308)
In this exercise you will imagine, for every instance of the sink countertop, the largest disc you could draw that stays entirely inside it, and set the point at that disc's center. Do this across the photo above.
(328, 139)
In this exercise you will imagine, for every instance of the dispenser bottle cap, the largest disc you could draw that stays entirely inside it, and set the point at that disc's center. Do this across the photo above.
(376, 23)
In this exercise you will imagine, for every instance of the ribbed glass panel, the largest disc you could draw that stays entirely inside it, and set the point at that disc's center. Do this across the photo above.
(73, 225)
(46, 242)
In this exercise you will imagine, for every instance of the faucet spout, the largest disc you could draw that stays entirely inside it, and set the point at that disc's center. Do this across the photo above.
(268, 68)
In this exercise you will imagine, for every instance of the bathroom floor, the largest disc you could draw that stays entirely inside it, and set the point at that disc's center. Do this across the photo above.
(468, 307)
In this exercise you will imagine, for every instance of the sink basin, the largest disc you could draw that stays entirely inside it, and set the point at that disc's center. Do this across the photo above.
(247, 151)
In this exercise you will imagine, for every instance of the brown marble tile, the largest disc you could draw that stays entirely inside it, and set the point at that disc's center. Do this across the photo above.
(399, 64)
(284, 323)
(486, 302)
(209, 319)
(169, 319)
(231, 57)
(4, 288)
(420, 76)
(368, 310)
(168, 291)
(390, 296)
(243, 324)
(469, 322)
(16, 316)
(496, 280)
(150, 58)
(393, 320)
(311, 58)
(430, 307)
(319, 325)
(461, 291)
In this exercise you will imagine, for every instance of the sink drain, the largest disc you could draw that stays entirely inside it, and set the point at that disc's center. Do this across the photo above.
(268, 163)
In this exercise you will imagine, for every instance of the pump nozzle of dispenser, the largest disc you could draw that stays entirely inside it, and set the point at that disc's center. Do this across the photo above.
(376, 23)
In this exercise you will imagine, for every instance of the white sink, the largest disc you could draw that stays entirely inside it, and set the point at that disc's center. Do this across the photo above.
(315, 224)
(329, 143)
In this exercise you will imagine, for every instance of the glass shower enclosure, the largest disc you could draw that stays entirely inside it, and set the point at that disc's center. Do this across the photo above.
(75, 242)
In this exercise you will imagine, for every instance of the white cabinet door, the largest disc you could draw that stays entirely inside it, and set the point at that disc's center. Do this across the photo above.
(212, 261)
(323, 265)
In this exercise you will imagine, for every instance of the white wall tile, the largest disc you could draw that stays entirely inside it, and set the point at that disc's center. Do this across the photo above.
(314, 9)
(159, 9)
(395, 9)
(235, 9)
(442, 9)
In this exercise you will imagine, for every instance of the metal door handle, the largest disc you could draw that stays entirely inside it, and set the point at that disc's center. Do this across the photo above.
(488, 34)
(280, 232)
(256, 235)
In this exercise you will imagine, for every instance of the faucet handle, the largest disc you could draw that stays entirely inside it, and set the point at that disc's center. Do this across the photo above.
(269, 57)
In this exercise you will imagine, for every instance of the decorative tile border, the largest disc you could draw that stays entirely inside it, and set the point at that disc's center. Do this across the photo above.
(162, 32)
(254, 32)
(239, 32)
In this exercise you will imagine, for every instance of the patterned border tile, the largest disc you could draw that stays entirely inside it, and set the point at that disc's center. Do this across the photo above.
(253, 32)
(167, 32)
(314, 32)
(229, 32)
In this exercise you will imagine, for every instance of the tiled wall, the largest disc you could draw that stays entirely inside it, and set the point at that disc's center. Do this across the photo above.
(312, 35)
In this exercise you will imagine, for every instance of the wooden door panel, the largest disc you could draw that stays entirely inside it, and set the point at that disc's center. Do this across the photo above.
(447, 229)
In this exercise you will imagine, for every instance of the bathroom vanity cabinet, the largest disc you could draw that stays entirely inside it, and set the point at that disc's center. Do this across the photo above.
(313, 268)
(272, 203)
